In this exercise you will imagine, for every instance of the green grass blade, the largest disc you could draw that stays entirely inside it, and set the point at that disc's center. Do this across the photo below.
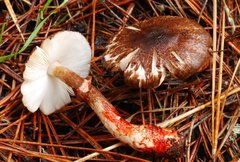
(3, 58)
(32, 36)
(2, 30)
(29, 40)
(44, 8)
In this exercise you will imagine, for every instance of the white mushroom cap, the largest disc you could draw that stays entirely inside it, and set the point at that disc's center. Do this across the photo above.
(44, 91)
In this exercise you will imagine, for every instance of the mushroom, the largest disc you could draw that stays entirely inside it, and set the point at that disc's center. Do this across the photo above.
(58, 68)
(41, 90)
(146, 49)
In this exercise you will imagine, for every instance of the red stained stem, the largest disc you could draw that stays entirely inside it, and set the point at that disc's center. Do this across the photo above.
(145, 138)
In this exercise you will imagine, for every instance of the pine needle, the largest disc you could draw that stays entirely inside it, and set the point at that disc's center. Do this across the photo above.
(14, 17)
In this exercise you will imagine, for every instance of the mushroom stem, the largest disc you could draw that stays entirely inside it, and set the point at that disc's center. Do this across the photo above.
(145, 138)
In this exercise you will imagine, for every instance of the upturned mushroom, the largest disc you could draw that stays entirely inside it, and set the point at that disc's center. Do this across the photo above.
(146, 49)
(41, 90)
(58, 66)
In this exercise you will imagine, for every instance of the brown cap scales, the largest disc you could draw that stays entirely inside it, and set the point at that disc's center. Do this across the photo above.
(146, 49)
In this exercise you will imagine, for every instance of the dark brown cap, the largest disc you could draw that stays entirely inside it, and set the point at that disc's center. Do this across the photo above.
(146, 49)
